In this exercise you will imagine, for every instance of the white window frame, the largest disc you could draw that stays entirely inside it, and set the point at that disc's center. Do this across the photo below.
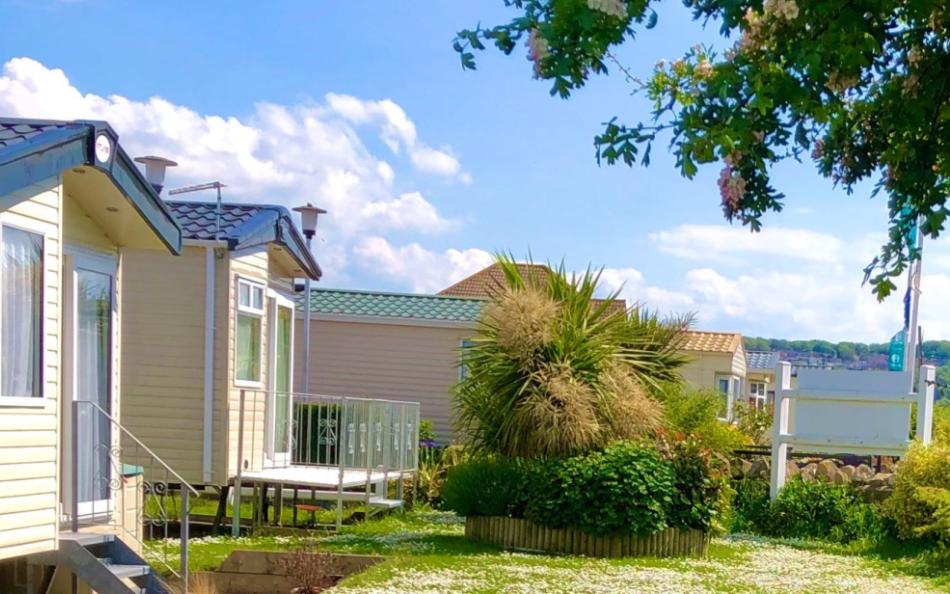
(259, 313)
(731, 394)
(275, 458)
(41, 401)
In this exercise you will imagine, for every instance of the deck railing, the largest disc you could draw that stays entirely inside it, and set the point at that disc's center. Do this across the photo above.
(378, 437)
(130, 500)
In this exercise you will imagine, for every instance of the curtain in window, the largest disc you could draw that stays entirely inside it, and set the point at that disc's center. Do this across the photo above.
(21, 274)
(248, 356)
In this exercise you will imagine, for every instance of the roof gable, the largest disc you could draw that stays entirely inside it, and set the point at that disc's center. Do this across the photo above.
(490, 279)
(712, 342)
(244, 225)
(32, 150)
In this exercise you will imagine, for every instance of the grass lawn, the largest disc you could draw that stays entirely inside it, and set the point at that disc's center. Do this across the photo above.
(428, 554)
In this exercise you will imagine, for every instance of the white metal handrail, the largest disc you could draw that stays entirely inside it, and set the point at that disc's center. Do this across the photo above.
(156, 489)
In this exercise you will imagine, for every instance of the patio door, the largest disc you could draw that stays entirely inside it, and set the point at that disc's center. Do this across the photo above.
(280, 391)
(88, 379)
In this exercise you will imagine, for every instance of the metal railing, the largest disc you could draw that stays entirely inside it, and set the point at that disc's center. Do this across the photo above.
(377, 437)
(130, 500)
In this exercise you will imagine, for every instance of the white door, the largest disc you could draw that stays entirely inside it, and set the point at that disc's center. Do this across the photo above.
(90, 307)
(280, 381)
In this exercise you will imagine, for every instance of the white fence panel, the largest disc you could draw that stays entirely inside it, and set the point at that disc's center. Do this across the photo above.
(847, 412)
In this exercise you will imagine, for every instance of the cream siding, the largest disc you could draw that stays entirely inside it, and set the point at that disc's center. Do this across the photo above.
(702, 371)
(252, 265)
(29, 437)
(379, 360)
(163, 356)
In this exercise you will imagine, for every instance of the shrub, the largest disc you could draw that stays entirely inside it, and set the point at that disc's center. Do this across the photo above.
(695, 413)
(750, 506)
(486, 487)
(915, 505)
(553, 372)
(698, 484)
(434, 464)
(812, 509)
(626, 488)
(754, 423)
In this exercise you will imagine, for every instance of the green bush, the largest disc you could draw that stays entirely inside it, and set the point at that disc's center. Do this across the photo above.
(696, 413)
(626, 488)
(806, 509)
(434, 464)
(486, 487)
(916, 505)
(699, 486)
(750, 506)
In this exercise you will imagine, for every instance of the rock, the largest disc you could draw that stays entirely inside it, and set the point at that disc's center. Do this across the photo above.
(827, 470)
(741, 469)
(881, 480)
(791, 469)
(887, 464)
(760, 469)
(848, 472)
(808, 473)
(862, 474)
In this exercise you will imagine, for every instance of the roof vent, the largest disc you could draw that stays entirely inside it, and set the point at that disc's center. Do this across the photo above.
(155, 170)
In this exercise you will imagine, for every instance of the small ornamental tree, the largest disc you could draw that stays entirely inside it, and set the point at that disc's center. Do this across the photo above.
(859, 86)
(552, 371)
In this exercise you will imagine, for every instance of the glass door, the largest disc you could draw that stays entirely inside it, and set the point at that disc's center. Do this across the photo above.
(91, 296)
(281, 380)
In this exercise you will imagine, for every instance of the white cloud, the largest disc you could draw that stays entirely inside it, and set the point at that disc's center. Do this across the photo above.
(284, 154)
(427, 271)
(408, 211)
(706, 242)
(398, 132)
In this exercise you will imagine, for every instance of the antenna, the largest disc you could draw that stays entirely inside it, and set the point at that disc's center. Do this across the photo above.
(215, 185)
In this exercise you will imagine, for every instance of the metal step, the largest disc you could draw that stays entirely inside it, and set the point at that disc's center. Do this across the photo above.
(385, 503)
(128, 571)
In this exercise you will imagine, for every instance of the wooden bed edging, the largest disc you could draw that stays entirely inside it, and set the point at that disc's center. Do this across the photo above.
(515, 533)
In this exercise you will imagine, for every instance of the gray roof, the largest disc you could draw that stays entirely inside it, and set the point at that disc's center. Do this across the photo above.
(13, 131)
(244, 225)
(405, 306)
(32, 150)
(761, 360)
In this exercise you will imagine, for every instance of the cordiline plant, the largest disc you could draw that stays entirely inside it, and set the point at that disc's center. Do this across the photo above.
(554, 371)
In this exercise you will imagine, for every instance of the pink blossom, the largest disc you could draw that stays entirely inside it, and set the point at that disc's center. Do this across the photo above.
(537, 50)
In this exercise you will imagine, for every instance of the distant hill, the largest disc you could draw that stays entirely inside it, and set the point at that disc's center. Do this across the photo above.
(848, 355)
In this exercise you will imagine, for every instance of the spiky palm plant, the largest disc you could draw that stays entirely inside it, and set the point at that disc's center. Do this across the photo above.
(553, 371)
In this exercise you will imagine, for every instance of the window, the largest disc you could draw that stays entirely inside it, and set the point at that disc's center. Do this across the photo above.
(21, 319)
(250, 314)
(728, 388)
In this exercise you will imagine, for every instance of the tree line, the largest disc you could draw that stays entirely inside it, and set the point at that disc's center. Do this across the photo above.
(937, 351)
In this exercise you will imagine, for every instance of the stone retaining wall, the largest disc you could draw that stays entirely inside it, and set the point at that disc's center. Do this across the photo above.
(870, 485)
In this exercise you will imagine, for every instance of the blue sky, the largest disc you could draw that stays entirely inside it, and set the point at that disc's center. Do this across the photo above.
(361, 107)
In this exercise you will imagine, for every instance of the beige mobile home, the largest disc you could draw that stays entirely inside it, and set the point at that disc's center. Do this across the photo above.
(72, 206)
(202, 327)
(718, 363)
(389, 345)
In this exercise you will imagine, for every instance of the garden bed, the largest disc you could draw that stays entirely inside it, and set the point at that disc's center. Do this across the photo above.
(264, 572)
(519, 534)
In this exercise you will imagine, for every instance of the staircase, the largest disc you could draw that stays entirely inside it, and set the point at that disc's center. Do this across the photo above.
(131, 494)
(104, 562)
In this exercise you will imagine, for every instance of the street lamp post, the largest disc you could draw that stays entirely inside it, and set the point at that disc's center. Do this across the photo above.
(308, 224)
